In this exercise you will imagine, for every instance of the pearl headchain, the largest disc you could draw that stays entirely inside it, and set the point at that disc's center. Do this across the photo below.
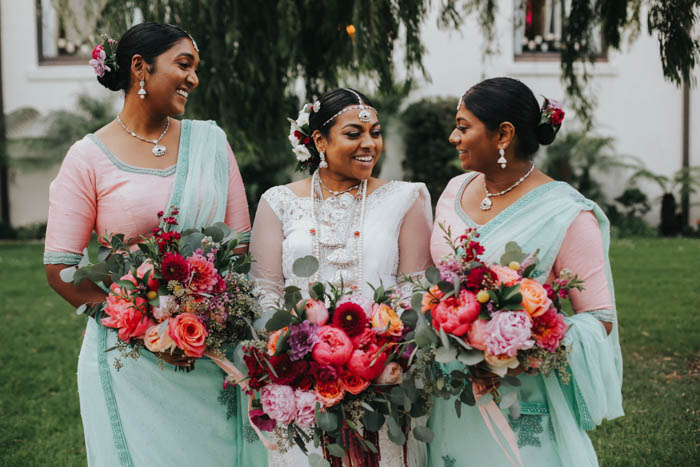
(364, 115)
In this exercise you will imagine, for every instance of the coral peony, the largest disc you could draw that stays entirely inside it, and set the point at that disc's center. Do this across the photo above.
(125, 313)
(549, 329)
(455, 315)
(508, 332)
(279, 403)
(173, 267)
(329, 394)
(478, 332)
(353, 384)
(202, 274)
(333, 347)
(305, 405)
(367, 364)
(535, 300)
(316, 312)
(351, 318)
(505, 275)
(189, 333)
(363, 340)
(386, 322)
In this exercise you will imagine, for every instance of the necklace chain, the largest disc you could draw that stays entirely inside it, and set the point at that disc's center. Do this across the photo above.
(486, 202)
(158, 149)
(333, 192)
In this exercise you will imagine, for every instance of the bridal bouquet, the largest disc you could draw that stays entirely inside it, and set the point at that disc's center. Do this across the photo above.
(491, 316)
(331, 368)
(183, 294)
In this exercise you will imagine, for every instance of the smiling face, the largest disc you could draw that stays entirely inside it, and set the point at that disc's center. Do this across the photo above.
(477, 146)
(172, 77)
(352, 147)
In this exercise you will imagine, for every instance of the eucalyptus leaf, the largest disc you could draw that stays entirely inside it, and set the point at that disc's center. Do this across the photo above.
(397, 395)
(461, 341)
(513, 252)
(327, 421)
(417, 301)
(315, 460)
(467, 396)
(444, 339)
(280, 319)
(508, 400)
(423, 433)
(445, 354)
(373, 421)
(336, 450)
(213, 231)
(446, 288)
(67, 274)
(409, 318)
(103, 253)
(433, 275)
(395, 432)
(425, 335)
(471, 357)
(305, 267)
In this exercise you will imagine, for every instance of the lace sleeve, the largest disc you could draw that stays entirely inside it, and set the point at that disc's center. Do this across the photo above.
(266, 248)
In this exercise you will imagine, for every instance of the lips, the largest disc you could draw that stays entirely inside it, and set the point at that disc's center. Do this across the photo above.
(182, 92)
(364, 159)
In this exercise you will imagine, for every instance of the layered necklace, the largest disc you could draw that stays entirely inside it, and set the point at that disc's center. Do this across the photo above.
(158, 149)
(337, 230)
(486, 202)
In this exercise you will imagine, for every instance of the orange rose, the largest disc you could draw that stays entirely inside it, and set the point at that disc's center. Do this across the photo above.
(189, 334)
(329, 393)
(431, 299)
(535, 299)
(273, 339)
(353, 384)
(386, 322)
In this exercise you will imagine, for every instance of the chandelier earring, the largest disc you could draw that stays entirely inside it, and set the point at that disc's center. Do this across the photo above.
(502, 160)
(323, 164)
(142, 92)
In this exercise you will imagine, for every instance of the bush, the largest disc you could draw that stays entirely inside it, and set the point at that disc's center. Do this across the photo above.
(36, 231)
(430, 157)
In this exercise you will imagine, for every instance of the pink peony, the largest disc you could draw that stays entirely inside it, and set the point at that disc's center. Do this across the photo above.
(549, 329)
(360, 363)
(202, 274)
(333, 347)
(126, 314)
(506, 276)
(509, 332)
(455, 315)
(476, 337)
(316, 312)
(279, 403)
(189, 334)
(305, 404)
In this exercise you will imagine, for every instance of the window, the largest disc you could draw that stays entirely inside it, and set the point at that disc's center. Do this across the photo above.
(538, 29)
(57, 43)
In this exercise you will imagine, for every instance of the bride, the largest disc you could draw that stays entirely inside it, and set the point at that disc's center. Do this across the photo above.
(361, 229)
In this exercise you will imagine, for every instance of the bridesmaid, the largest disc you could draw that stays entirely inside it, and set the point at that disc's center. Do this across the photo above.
(499, 128)
(116, 180)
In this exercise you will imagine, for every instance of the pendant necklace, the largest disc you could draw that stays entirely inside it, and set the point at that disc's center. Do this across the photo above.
(158, 149)
(486, 202)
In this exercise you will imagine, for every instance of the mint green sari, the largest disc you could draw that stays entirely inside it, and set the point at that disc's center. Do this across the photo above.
(146, 413)
(551, 430)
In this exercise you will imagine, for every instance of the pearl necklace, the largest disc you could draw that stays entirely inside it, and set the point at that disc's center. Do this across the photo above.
(357, 224)
(486, 202)
(158, 149)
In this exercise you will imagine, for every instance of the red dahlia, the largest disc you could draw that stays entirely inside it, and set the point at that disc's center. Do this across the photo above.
(351, 318)
(287, 370)
(173, 267)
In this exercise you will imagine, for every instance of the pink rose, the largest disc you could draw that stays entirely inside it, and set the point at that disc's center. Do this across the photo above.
(506, 276)
(498, 362)
(333, 347)
(98, 53)
(509, 332)
(316, 312)
(189, 334)
(279, 403)
(305, 404)
(360, 363)
(478, 333)
(392, 374)
(455, 315)
(202, 274)
(157, 341)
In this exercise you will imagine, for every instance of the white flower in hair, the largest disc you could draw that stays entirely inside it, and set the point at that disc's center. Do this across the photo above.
(317, 106)
(303, 118)
(302, 153)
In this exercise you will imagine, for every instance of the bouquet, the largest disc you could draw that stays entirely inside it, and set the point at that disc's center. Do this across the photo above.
(331, 368)
(176, 294)
(490, 316)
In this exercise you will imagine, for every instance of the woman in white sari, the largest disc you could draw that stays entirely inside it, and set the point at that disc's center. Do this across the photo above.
(362, 230)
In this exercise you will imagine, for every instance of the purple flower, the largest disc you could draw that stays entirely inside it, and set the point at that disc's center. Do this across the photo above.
(449, 268)
(302, 339)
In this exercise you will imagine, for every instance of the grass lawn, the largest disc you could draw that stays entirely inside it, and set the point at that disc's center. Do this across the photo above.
(658, 291)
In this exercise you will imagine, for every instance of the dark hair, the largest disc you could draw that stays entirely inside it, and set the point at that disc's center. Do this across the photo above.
(146, 39)
(333, 102)
(498, 100)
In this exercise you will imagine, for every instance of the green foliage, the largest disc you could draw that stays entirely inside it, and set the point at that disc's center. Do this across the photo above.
(430, 157)
(35, 231)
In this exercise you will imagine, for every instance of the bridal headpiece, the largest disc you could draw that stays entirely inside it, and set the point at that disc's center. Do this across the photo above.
(104, 57)
(300, 138)
(365, 116)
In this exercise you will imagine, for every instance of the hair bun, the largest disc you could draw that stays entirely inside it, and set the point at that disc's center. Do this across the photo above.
(110, 80)
(546, 132)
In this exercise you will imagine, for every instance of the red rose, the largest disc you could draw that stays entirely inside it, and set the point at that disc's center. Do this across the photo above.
(96, 51)
(557, 116)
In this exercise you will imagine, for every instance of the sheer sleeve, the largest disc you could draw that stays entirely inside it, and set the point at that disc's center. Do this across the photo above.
(582, 252)
(266, 248)
(414, 236)
(72, 210)
(237, 216)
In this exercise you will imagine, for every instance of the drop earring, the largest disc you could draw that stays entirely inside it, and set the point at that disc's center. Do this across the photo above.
(502, 160)
(323, 164)
(142, 92)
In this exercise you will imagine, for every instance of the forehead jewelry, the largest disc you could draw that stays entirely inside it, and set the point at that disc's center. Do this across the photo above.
(365, 116)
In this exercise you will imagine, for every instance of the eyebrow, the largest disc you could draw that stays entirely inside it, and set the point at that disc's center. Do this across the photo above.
(359, 126)
(186, 55)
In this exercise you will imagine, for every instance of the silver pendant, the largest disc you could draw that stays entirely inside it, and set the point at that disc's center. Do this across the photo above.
(485, 204)
(158, 150)
(364, 116)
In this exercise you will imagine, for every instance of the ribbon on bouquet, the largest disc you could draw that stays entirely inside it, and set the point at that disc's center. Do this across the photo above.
(239, 378)
(490, 411)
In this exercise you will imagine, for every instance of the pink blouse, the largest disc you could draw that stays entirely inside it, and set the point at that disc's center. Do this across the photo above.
(581, 251)
(95, 191)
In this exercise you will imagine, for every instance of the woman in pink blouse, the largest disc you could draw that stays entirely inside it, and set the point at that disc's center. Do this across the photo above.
(499, 128)
(115, 181)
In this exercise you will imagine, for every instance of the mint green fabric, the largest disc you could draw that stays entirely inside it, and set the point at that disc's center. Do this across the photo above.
(554, 416)
(146, 413)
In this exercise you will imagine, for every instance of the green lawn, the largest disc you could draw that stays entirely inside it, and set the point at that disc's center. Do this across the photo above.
(658, 291)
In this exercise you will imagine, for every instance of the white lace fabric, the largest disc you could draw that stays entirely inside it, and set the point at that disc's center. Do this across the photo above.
(396, 241)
